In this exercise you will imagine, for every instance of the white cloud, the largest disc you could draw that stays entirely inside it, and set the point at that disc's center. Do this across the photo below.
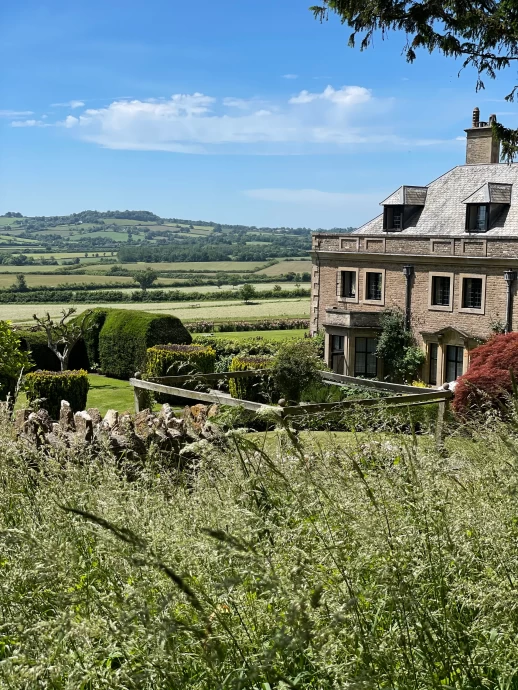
(240, 103)
(29, 123)
(310, 197)
(15, 113)
(347, 95)
(290, 76)
(196, 123)
(69, 104)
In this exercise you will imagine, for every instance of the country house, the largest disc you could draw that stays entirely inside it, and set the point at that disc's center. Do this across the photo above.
(445, 253)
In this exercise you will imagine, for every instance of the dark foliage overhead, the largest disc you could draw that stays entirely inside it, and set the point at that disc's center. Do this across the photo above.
(483, 34)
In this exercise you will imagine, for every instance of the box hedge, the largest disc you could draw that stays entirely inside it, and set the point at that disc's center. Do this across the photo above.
(161, 357)
(57, 386)
(246, 388)
(126, 335)
(35, 343)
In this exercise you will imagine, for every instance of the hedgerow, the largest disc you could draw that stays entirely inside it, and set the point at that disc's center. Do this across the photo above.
(260, 325)
(55, 386)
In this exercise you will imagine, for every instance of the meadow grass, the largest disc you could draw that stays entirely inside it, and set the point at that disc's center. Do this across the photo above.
(373, 564)
(186, 311)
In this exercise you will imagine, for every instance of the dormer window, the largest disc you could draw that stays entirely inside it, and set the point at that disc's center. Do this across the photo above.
(393, 218)
(486, 205)
(477, 217)
(401, 208)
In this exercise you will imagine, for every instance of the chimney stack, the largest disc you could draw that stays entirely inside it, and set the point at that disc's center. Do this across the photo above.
(481, 146)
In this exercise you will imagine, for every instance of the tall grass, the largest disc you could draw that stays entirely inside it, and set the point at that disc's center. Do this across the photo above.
(378, 565)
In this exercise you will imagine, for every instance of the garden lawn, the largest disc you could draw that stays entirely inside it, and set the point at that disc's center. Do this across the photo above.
(276, 336)
(110, 394)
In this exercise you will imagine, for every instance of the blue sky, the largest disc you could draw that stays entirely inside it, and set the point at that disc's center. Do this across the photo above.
(235, 111)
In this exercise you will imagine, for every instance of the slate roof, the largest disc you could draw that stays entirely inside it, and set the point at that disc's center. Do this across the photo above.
(444, 212)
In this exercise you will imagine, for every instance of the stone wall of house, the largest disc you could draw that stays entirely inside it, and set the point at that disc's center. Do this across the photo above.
(424, 318)
(394, 243)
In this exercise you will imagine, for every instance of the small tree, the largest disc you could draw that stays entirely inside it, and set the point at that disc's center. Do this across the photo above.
(277, 288)
(295, 368)
(145, 278)
(20, 284)
(247, 292)
(398, 348)
(63, 335)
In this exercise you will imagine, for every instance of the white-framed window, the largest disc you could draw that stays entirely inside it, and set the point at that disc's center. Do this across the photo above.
(440, 293)
(347, 284)
(472, 293)
(374, 286)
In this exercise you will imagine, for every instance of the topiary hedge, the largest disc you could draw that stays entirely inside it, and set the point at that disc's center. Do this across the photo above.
(57, 386)
(35, 343)
(246, 388)
(126, 335)
(160, 357)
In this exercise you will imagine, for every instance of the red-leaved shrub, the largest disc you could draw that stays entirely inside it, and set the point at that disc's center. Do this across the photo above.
(487, 381)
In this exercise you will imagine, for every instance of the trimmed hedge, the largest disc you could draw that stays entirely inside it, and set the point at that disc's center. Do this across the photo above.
(161, 357)
(246, 389)
(35, 343)
(57, 386)
(126, 335)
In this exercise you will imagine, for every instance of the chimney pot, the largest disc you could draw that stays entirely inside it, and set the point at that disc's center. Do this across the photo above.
(476, 117)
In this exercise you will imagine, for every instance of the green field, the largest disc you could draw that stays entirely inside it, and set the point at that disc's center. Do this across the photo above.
(286, 267)
(187, 311)
(53, 280)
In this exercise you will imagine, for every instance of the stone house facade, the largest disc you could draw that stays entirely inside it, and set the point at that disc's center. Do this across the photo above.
(446, 254)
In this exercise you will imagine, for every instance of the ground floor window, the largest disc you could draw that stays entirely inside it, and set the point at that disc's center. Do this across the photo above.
(337, 353)
(365, 360)
(433, 351)
(454, 362)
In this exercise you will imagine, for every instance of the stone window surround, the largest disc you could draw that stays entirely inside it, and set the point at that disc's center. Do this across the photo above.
(469, 310)
(439, 307)
(356, 270)
(381, 302)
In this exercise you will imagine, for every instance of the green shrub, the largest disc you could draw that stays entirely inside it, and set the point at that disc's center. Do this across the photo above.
(126, 335)
(35, 343)
(247, 389)
(296, 368)
(160, 357)
(13, 360)
(56, 386)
